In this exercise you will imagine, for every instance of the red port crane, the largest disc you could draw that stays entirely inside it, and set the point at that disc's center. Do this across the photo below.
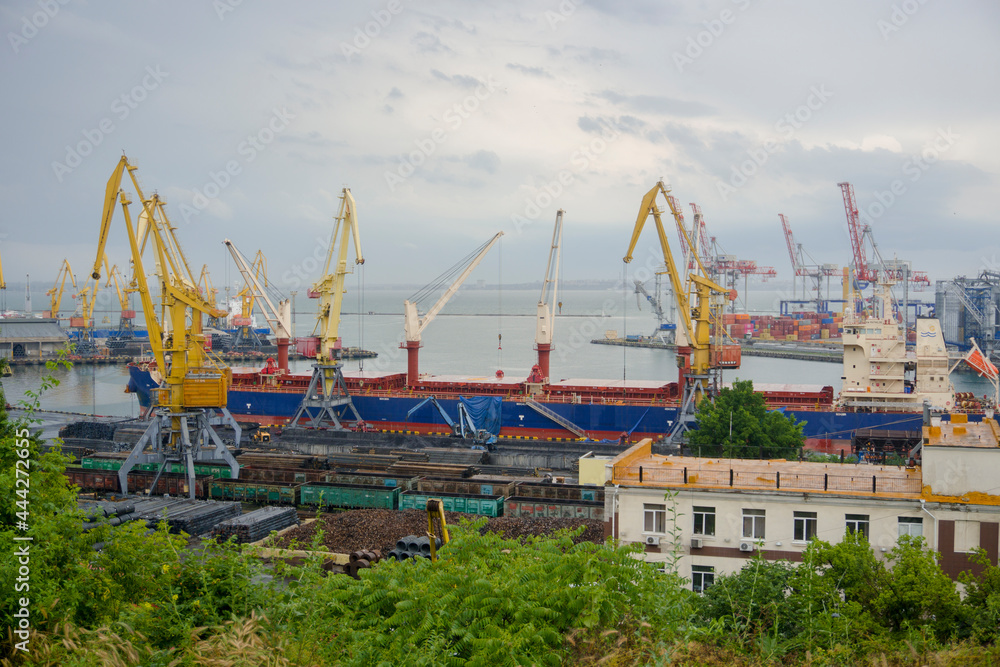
(858, 232)
(799, 267)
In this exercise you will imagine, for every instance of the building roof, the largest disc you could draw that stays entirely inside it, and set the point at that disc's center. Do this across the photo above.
(985, 434)
(31, 329)
(638, 466)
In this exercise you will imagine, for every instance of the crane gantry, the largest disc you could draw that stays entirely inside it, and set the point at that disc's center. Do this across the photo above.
(699, 356)
(193, 401)
(327, 399)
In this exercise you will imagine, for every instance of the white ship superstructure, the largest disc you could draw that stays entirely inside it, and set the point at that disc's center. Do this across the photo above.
(881, 374)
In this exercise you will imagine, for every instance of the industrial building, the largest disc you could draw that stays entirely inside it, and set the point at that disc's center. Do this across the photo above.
(711, 515)
(31, 338)
(970, 308)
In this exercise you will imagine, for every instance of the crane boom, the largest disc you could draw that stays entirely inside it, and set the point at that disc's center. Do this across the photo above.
(414, 325)
(55, 294)
(330, 287)
(278, 317)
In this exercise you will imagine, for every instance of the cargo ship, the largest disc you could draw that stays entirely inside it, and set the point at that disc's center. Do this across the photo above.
(885, 387)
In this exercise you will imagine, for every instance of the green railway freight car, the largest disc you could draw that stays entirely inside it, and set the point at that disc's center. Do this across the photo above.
(261, 493)
(552, 508)
(216, 470)
(454, 502)
(349, 496)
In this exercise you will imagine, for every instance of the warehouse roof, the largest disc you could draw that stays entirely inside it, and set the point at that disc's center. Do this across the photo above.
(31, 329)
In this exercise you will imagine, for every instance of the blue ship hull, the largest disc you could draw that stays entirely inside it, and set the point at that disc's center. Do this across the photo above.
(519, 420)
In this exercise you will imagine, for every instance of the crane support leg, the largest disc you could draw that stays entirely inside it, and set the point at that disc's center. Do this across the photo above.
(327, 393)
(206, 445)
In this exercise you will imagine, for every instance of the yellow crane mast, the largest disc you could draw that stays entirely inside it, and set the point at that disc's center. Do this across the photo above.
(193, 401)
(327, 400)
(55, 294)
(699, 358)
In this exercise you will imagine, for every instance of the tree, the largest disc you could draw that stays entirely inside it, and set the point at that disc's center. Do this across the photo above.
(737, 424)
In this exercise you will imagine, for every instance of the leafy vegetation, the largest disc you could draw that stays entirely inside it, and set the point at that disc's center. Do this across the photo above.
(737, 424)
(149, 598)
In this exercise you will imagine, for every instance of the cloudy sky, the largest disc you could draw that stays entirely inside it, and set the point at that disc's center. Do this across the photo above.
(451, 121)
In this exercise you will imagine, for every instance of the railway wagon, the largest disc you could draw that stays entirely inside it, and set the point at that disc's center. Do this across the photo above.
(349, 496)
(547, 507)
(139, 481)
(251, 491)
(454, 502)
(217, 470)
(476, 487)
(559, 491)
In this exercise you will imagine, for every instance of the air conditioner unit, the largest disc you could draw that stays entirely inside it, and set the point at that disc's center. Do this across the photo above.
(652, 540)
(746, 546)
(696, 543)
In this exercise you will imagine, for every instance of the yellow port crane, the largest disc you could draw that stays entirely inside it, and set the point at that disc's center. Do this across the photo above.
(193, 401)
(699, 357)
(126, 326)
(55, 294)
(327, 399)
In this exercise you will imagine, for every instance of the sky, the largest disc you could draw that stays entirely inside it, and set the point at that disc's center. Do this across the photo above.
(451, 121)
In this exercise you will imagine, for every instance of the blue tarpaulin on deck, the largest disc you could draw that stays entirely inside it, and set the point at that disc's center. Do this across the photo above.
(485, 412)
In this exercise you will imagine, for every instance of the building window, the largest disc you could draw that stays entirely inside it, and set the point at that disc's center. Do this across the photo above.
(909, 525)
(702, 576)
(654, 518)
(704, 521)
(804, 527)
(753, 524)
(858, 523)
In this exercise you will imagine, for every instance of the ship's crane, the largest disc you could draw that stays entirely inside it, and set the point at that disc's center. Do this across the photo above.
(246, 337)
(413, 324)
(193, 401)
(545, 316)
(699, 357)
(801, 269)
(279, 317)
(55, 294)
(327, 393)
